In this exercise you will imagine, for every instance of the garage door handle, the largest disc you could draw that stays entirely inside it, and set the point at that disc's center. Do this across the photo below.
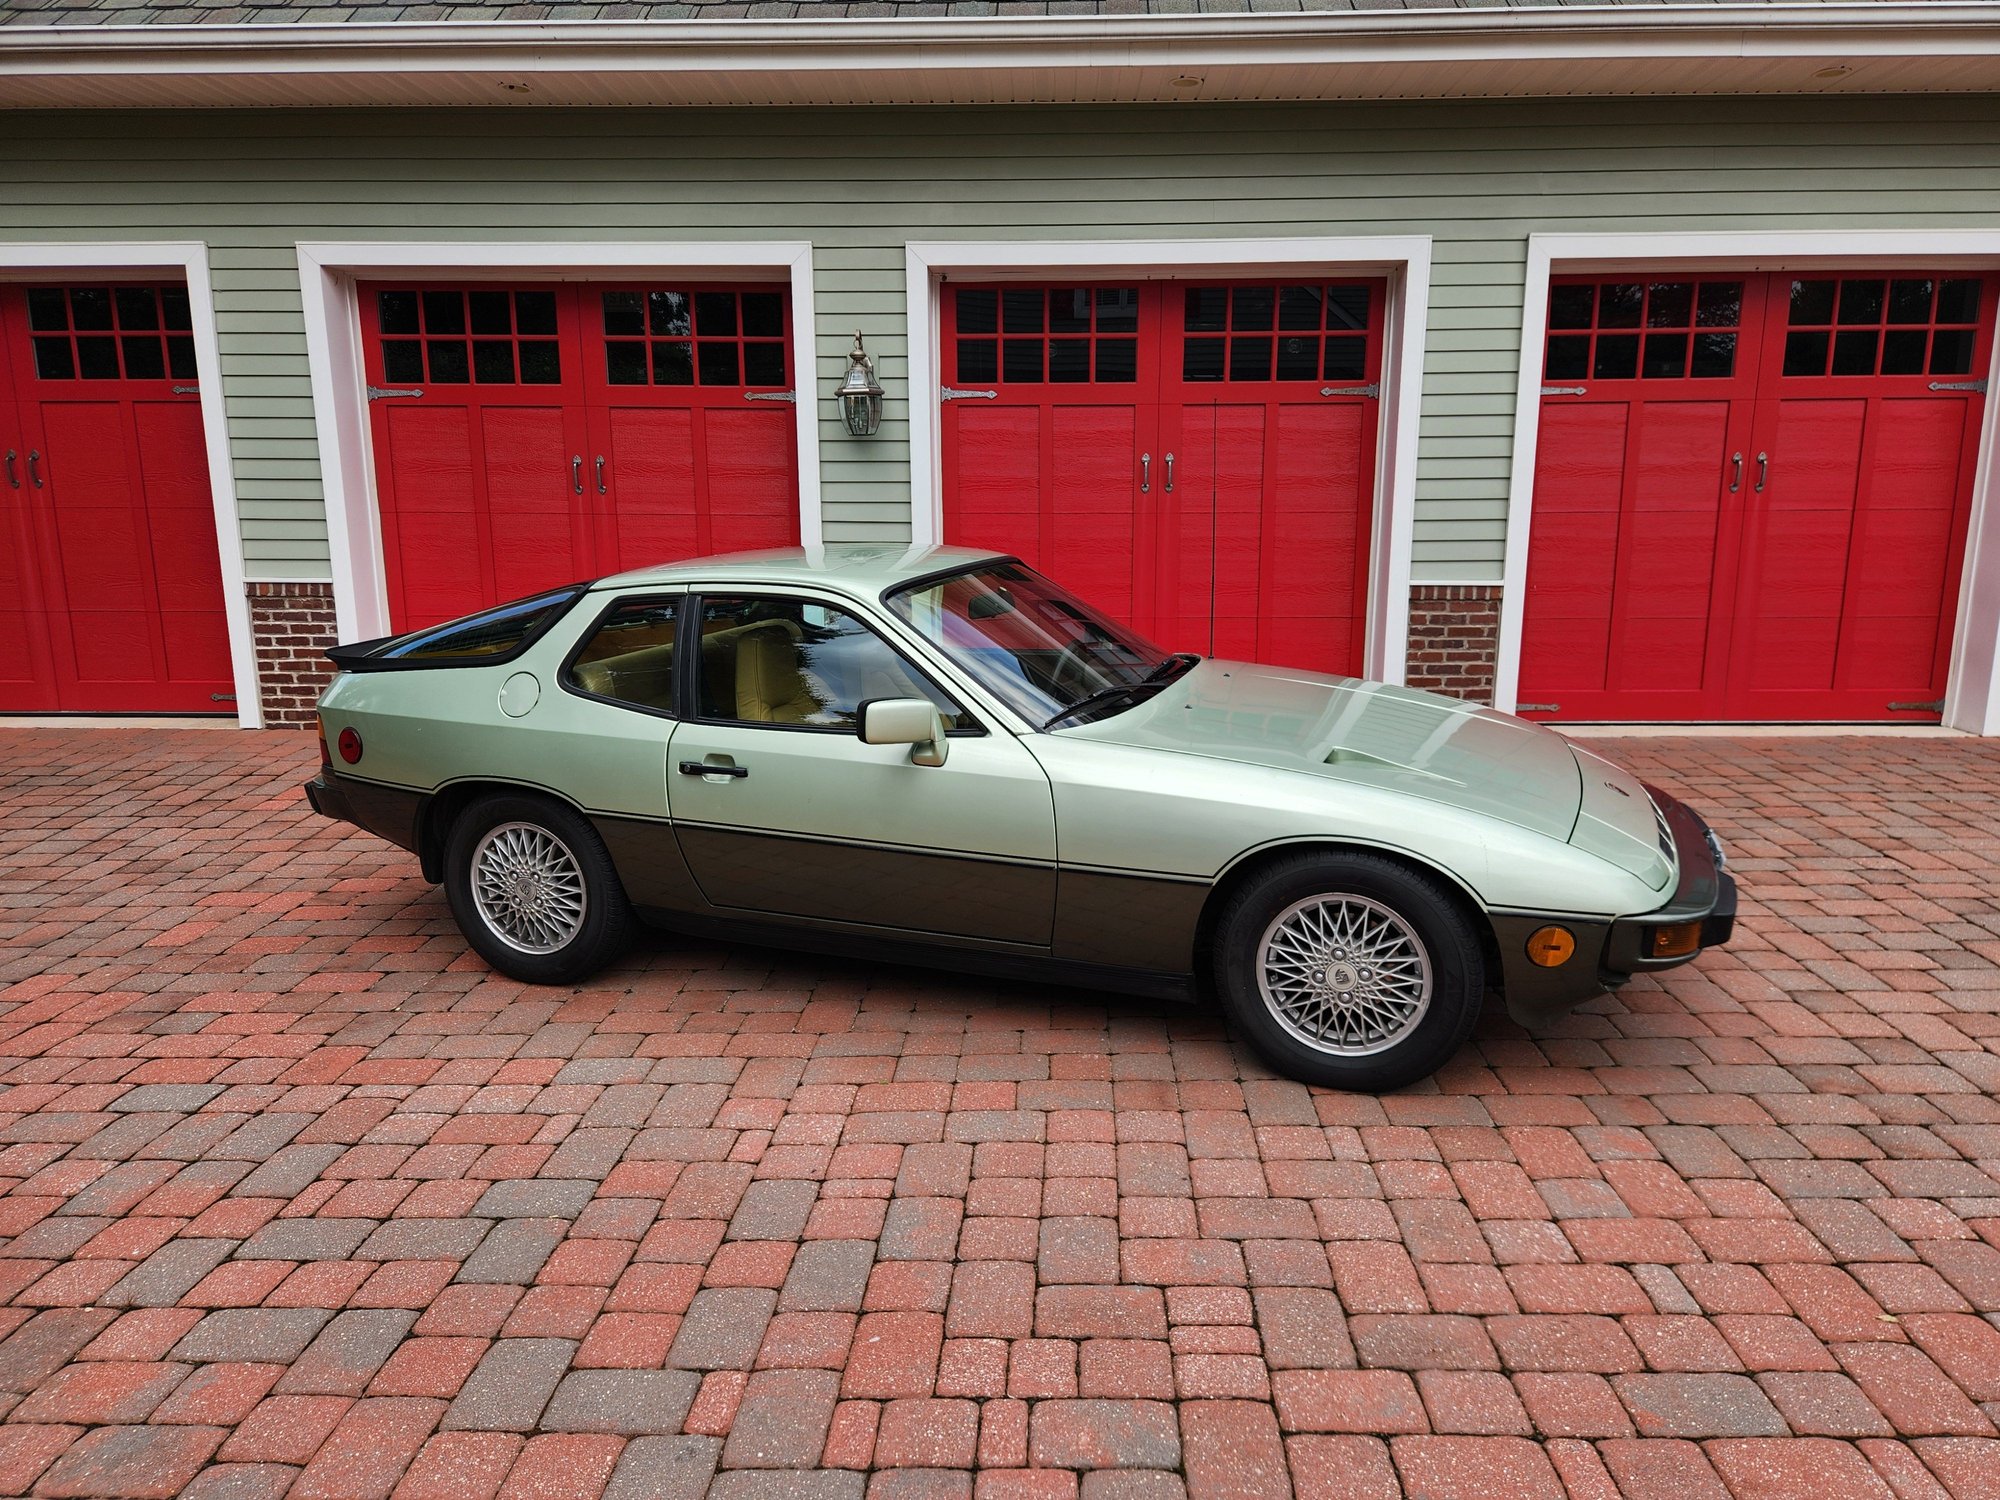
(1145, 473)
(13, 479)
(710, 768)
(1763, 470)
(1170, 473)
(1736, 480)
(600, 475)
(576, 473)
(34, 474)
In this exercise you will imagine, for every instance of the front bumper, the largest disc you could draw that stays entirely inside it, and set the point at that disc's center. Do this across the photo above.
(1705, 893)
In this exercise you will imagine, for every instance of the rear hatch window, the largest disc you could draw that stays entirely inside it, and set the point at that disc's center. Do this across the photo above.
(485, 639)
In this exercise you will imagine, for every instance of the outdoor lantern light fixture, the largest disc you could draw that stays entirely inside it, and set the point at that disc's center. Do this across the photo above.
(860, 393)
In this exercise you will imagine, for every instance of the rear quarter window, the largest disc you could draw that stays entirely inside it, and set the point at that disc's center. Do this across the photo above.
(491, 636)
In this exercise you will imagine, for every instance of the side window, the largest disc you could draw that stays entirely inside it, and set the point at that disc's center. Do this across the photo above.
(491, 634)
(630, 656)
(791, 661)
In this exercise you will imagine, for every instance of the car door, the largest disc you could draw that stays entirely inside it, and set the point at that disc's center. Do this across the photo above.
(781, 810)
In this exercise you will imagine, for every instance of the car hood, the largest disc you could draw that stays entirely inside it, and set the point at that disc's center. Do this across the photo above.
(1440, 749)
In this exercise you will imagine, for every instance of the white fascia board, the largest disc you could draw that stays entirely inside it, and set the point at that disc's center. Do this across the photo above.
(850, 56)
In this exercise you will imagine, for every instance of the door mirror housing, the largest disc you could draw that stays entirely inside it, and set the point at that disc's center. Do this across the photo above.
(904, 721)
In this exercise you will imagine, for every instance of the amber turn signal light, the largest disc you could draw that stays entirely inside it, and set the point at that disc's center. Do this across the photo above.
(1676, 941)
(1551, 947)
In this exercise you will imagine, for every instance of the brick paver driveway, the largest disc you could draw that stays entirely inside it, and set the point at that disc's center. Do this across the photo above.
(299, 1199)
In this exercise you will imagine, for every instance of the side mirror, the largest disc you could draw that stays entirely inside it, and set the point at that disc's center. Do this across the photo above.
(904, 721)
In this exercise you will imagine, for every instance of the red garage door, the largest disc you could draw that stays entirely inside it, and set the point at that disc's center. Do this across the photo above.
(527, 436)
(1751, 495)
(1200, 460)
(110, 582)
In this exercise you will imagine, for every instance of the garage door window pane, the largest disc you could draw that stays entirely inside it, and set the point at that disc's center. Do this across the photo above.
(763, 315)
(1021, 311)
(1250, 359)
(1117, 361)
(1719, 304)
(1714, 356)
(1860, 302)
(763, 364)
(978, 360)
(1298, 359)
(1069, 361)
(48, 309)
(1568, 359)
(90, 307)
(137, 309)
(1666, 356)
(402, 360)
(1617, 356)
(669, 314)
(1024, 360)
(1346, 359)
(1117, 310)
(630, 657)
(717, 363)
(1250, 307)
(1300, 307)
(53, 360)
(180, 357)
(448, 362)
(1805, 353)
(1958, 302)
(978, 312)
(491, 313)
(1910, 301)
(1951, 351)
(1069, 311)
(444, 312)
(673, 363)
(1619, 305)
(1903, 351)
(493, 361)
(1571, 306)
(1201, 360)
(97, 358)
(534, 312)
(1812, 302)
(1205, 310)
(715, 315)
(1669, 304)
(541, 363)
(144, 359)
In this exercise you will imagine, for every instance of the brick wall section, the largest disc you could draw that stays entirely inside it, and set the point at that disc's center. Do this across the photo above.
(1455, 639)
(292, 624)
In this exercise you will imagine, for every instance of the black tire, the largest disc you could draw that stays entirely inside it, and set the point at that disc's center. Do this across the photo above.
(577, 944)
(1420, 1004)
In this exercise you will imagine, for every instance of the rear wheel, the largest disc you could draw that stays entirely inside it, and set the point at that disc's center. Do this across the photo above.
(1349, 970)
(533, 889)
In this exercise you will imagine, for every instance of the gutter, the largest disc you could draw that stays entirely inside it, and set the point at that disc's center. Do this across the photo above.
(867, 50)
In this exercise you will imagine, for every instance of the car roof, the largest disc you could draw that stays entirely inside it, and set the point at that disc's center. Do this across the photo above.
(852, 567)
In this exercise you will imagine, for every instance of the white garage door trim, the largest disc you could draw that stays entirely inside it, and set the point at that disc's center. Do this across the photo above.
(328, 275)
(189, 259)
(1404, 259)
(1972, 694)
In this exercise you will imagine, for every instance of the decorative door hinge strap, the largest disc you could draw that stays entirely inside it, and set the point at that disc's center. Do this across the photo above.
(1372, 389)
(187, 390)
(949, 394)
(221, 697)
(1565, 390)
(1537, 708)
(1959, 385)
(1916, 708)
(770, 396)
(377, 392)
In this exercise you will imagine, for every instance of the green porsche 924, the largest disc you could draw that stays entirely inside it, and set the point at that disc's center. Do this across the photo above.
(942, 757)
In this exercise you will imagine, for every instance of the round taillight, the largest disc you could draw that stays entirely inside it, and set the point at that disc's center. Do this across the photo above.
(350, 746)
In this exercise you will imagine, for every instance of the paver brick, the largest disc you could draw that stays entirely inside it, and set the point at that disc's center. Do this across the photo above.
(510, 1386)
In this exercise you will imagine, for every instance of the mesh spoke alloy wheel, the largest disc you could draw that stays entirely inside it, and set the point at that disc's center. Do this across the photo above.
(529, 888)
(1345, 975)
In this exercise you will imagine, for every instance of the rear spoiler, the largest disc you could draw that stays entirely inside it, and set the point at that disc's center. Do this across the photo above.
(358, 656)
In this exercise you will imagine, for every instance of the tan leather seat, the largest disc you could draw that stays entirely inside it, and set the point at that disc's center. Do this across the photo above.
(770, 688)
(643, 676)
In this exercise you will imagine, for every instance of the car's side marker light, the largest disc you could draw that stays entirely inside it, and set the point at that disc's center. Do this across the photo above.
(1676, 941)
(350, 746)
(1551, 947)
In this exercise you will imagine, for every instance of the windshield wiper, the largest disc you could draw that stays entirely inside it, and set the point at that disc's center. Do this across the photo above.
(1173, 666)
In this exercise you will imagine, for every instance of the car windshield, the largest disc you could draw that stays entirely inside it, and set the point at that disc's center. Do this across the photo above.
(1052, 657)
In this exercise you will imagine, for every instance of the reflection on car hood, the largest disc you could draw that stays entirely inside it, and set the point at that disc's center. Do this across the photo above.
(1367, 733)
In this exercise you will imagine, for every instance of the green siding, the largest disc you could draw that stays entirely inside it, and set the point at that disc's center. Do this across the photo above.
(858, 184)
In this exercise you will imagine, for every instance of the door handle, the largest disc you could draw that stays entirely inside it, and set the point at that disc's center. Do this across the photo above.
(34, 474)
(600, 475)
(1736, 479)
(13, 479)
(1170, 473)
(709, 768)
(1145, 473)
(576, 473)
(1763, 471)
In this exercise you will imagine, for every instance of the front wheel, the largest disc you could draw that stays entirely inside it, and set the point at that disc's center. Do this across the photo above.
(534, 890)
(1349, 970)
